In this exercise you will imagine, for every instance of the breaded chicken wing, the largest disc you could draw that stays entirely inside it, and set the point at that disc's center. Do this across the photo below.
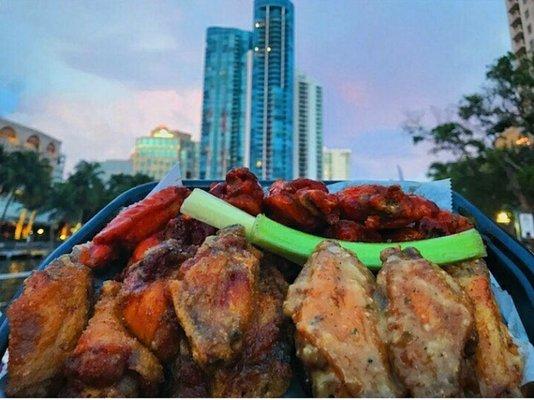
(107, 361)
(263, 369)
(337, 323)
(214, 297)
(429, 324)
(45, 324)
(498, 364)
(145, 302)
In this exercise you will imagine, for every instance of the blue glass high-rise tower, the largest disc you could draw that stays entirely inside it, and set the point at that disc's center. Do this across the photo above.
(271, 137)
(225, 105)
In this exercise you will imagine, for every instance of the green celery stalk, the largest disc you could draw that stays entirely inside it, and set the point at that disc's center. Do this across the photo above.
(297, 246)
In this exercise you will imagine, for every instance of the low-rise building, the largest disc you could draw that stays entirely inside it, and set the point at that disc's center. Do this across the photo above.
(115, 167)
(336, 164)
(15, 136)
(154, 155)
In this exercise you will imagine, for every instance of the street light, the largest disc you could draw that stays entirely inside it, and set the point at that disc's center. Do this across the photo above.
(503, 217)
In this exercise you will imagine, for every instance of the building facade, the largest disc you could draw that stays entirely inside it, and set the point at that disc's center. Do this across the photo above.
(521, 25)
(271, 137)
(115, 167)
(336, 164)
(14, 136)
(156, 154)
(226, 101)
(308, 129)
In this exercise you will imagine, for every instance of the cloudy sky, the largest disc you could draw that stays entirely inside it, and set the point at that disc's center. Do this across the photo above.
(98, 74)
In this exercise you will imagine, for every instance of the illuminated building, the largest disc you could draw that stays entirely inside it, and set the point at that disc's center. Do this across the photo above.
(156, 154)
(336, 164)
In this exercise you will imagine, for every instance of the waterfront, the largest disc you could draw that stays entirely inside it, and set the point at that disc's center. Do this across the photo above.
(9, 286)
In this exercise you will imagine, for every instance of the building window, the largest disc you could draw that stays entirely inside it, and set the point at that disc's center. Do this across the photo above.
(526, 14)
(9, 134)
(33, 142)
(529, 28)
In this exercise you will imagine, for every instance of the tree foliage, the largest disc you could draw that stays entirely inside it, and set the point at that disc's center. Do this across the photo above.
(485, 168)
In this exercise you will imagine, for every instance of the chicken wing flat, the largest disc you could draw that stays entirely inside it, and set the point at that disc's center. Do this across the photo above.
(263, 369)
(429, 323)
(498, 364)
(337, 320)
(302, 204)
(215, 294)
(187, 378)
(107, 361)
(45, 324)
(145, 302)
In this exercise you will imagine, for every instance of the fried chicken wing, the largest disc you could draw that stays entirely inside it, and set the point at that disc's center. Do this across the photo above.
(241, 189)
(303, 203)
(443, 223)
(352, 232)
(429, 324)
(498, 364)
(107, 361)
(337, 320)
(188, 379)
(145, 301)
(263, 368)
(388, 206)
(131, 226)
(45, 324)
(214, 297)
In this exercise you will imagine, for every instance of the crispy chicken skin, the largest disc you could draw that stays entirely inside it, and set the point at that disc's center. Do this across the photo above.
(214, 296)
(241, 189)
(498, 364)
(337, 323)
(187, 378)
(107, 361)
(263, 369)
(145, 302)
(429, 324)
(45, 324)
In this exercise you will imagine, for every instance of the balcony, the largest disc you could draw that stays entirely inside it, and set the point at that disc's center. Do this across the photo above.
(514, 7)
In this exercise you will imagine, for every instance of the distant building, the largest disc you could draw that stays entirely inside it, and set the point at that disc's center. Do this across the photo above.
(336, 164)
(156, 154)
(308, 129)
(115, 167)
(521, 25)
(226, 101)
(271, 137)
(14, 136)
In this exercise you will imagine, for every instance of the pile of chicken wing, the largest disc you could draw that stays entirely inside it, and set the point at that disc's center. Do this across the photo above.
(192, 312)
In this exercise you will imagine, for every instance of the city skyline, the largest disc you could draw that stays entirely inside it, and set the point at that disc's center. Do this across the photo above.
(375, 61)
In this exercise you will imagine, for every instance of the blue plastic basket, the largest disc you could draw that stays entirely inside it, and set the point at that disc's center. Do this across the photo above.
(509, 261)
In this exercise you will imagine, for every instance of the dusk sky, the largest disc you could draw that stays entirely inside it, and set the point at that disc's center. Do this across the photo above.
(98, 74)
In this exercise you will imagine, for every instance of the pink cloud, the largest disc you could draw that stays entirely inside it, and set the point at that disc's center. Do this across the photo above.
(96, 130)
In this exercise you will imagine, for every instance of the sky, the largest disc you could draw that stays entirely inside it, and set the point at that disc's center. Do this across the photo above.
(98, 74)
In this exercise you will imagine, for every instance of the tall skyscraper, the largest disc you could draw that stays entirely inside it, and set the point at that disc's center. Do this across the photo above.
(521, 21)
(271, 139)
(336, 164)
(308, 129)
(226, 101)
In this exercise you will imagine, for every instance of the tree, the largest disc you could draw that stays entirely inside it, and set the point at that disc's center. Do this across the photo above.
(120, 183)
(79, 197)
(486, 168)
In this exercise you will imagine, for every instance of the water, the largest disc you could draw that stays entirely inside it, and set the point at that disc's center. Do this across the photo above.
(8, 287)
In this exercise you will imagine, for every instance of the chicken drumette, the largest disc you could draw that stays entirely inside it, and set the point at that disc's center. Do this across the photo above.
(107, 361)
(429, 324)
(337, 323)
(241, 189)
(497, 361)
(45, 324)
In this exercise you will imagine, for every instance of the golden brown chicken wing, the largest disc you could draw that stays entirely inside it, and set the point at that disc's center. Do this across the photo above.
(145, 302)
(45, 324)
(497, 361)
(336, 319)
(263, 368)
(187, 378)
(214, 296)
(429, 324)
(107, 361)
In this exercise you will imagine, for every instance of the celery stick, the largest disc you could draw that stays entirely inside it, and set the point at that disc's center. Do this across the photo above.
(297, 246)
